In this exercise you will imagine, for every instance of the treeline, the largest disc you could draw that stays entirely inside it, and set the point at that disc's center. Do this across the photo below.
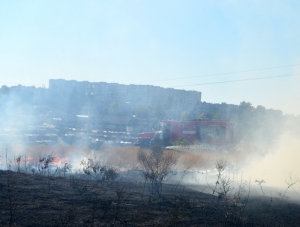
(258, 124)
(252, 124)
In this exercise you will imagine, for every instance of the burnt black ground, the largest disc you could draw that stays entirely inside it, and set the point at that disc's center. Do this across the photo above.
(57, 201)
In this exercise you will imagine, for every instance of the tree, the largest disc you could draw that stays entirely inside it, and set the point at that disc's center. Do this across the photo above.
(185, 116)
(156, 168)
(4, 90)
(202, 116)
(245, 108)
(142, 111)
(159, 111)
(115, 109)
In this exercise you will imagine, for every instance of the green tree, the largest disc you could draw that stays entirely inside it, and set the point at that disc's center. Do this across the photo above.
(4, 90)
(185, 116)
(202, 116)
(143, 111)
(245, 108)
(115, 109)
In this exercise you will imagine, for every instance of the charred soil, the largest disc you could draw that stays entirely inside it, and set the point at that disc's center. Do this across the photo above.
(35, 200)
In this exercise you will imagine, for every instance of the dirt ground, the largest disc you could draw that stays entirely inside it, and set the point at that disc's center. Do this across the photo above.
(35, 200)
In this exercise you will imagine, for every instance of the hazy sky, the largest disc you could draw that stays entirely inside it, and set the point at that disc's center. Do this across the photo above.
(156, 42)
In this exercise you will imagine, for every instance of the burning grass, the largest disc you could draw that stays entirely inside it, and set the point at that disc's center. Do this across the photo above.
(107, 187)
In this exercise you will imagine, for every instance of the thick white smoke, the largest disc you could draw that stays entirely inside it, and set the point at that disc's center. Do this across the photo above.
(278, 165)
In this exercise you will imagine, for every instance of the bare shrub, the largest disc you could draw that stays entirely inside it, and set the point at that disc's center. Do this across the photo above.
(110, 173)
(290, 185)
(45, 169)
(94, 170)
(67, 168)
(233, 195)
(45, 163)
(260, 182)
(26, 164)
(18, 163)
(220, 166)
(90, 167)
(156, 168)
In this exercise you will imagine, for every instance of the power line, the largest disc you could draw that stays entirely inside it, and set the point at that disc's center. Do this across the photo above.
(208, 83)
(248, 79)
(226, 73)
(205, 75)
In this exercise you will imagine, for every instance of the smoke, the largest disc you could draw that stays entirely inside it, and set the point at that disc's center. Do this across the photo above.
(124, 157)
(271, 153)
(191, 160)
(278, 165)
(204, 157)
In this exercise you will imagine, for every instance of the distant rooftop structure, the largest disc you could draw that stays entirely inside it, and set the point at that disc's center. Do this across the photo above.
(134, 94)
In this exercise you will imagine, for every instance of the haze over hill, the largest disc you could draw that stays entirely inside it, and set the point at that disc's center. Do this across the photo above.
(80, 114)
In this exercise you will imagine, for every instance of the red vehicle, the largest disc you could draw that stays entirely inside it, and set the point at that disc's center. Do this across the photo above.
(212, 132)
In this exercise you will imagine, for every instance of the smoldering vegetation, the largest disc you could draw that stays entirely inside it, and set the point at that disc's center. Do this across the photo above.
(63, 172)
(142, 188)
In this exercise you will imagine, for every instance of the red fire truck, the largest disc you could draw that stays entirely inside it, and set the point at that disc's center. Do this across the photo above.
(212, 132)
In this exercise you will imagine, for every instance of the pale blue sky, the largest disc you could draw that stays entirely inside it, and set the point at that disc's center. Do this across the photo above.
(149, 42)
